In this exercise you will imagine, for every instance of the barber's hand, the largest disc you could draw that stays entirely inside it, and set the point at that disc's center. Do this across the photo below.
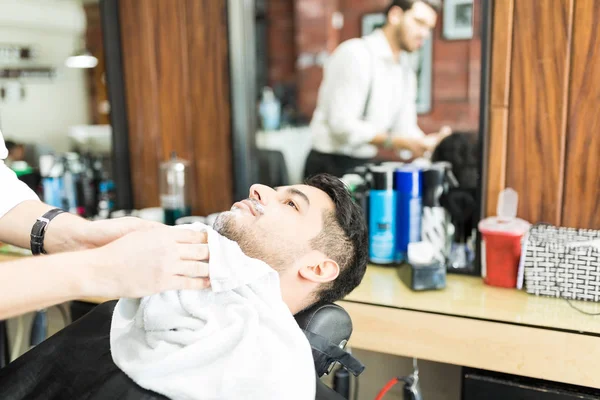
(417, 146)
(432, 140)
(445, 131)
(98, 233)
(151, 261)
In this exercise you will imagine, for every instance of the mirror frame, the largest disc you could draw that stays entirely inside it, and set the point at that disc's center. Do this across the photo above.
(487, 7)
(115, 85)
(244, 120)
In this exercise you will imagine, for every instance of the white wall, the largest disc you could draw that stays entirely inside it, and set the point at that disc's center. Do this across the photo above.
(49, 107)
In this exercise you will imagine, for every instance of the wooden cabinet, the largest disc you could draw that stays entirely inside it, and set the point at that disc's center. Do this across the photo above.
(544, 138)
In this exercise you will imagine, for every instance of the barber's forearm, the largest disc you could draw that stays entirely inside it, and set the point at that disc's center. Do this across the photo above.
(397, 142)
(379, 139)
(34, 283)
(64, 233)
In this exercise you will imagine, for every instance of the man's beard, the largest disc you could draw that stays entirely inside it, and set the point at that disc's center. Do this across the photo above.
(256, 242)
(402, 41)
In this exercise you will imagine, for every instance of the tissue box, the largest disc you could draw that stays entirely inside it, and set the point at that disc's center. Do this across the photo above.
(421, 277)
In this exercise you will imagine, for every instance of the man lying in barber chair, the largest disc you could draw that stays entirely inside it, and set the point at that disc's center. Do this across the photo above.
(281, 253)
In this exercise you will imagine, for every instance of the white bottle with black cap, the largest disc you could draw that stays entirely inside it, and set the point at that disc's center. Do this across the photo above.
(436, 227)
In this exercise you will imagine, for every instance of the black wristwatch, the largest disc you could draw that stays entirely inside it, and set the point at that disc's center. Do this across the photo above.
(39, 231)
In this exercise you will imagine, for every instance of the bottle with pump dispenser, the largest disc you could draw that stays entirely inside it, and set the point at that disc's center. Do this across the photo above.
(174, 189)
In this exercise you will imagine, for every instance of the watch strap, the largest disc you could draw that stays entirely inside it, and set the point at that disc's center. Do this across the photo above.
(38, 231)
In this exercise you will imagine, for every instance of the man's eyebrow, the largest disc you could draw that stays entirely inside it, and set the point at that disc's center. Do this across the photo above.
(294, 191)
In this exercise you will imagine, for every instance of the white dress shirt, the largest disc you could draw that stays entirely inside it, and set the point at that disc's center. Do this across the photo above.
(12, 190)
(340, 124)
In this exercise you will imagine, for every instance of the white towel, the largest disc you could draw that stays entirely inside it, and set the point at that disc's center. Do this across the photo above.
(236, 340)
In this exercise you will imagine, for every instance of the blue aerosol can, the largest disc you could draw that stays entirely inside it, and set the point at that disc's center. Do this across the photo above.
(408, 182)
(51, 171)
(382, 216)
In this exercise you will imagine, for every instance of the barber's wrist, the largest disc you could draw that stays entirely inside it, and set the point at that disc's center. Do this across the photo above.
(84, 273)
(398, 143)
(99, 276)
(66, 232)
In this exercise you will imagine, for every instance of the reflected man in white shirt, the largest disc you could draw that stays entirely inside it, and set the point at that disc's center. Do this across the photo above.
(367, 99)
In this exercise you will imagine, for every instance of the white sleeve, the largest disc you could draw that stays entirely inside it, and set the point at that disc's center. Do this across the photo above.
(406, 124)
(12, 190)
(349, 77)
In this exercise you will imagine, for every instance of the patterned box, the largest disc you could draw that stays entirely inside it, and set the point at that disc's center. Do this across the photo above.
(562, 262)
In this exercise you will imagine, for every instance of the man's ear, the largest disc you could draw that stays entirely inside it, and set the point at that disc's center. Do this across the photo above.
(395, 15)
(325, 271)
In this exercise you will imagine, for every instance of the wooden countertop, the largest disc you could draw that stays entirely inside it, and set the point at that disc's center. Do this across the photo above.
(474, 325)
(467, 296)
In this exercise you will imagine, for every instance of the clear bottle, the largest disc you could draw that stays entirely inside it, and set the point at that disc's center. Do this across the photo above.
(174, 186)
(270, 110)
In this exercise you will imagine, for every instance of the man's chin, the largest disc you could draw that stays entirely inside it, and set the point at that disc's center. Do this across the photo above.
(229, 222)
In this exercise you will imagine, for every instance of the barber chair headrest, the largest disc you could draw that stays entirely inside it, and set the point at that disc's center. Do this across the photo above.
(328, 328)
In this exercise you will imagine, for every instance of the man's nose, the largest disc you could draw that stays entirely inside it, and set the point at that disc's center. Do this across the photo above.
(261, 193)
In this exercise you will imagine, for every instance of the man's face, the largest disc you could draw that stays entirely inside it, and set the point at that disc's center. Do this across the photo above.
(17, 153)
(276, 225)
(414, 26)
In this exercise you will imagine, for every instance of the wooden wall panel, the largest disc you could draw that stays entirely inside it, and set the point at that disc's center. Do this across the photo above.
(171, 60)
(140, 76)
(177, 92)
(537, 117)
(582, 176)
(497, 142)
(502, 38)
(94, 42)
(503, 15)
(210, 103)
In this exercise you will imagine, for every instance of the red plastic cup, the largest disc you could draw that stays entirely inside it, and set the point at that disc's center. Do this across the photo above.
(503, 238)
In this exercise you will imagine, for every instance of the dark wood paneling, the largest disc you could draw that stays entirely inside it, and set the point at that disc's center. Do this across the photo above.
(582, 176)
(537, 117)
(98, 94)
(173, 80)
(210, 103)
(138, 34)
(496, 174)
(502, 39)
(177, 92)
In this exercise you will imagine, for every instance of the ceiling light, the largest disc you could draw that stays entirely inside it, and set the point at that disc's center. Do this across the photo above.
(81, 59)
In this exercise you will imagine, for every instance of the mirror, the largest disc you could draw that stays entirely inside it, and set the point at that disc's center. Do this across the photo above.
(328, 80)
(53, 97)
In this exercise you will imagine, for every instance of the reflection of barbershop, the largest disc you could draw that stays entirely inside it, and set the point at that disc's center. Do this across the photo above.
(299, 199)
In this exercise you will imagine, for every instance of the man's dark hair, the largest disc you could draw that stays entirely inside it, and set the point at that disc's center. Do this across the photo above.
(10, 145)
(344, 238)
(406, 5)
(462, 151)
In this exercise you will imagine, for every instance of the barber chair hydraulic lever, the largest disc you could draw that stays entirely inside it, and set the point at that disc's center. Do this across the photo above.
(412, 390)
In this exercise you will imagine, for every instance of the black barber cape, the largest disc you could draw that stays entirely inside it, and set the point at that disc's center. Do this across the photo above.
(73, 364)
(76, 364)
